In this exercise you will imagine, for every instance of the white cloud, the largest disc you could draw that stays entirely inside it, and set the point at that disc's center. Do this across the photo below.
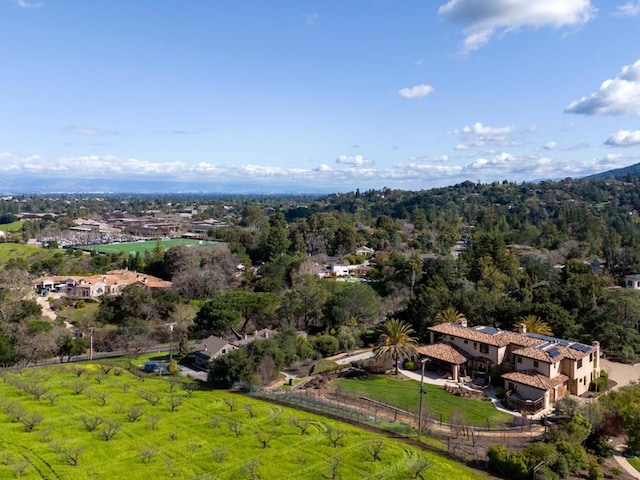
(109, 171)
(426, 158)
(618, 96)
(477, 135)
(624, 138)
(482, 19)
(90, 131)
(549, 145)
(419, 91)
(418, 62)
(629, 9)
(357, 160)
(28, 5)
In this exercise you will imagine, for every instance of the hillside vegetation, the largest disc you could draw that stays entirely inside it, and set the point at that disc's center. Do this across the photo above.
(79, 422)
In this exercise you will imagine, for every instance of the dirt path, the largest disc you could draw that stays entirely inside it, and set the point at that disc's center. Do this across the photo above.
(49, 313)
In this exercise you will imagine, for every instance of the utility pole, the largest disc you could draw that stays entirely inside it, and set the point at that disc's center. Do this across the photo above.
(90, 343)
(421, 394)
(171, 342)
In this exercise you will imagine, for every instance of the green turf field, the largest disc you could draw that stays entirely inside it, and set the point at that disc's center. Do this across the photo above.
(142, 247)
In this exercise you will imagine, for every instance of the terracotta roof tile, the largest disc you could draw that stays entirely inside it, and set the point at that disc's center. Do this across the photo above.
(535, 379)
(499, 339)
(444, 351)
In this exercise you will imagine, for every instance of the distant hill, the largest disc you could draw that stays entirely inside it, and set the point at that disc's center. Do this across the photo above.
(617, 173)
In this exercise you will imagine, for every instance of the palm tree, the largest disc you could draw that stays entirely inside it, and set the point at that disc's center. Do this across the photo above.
(449, 315)
(396, 340)
(535, 324)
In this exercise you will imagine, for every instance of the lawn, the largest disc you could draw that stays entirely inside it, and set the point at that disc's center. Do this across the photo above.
(209, 434)
(635, 462)
(142, 247)
(404, 394)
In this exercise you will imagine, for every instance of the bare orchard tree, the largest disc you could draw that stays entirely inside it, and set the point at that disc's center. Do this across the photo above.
(301, 424)
(174, 402)
(250, 469)
(92, 423)
(31, 421)
(374, 448)
(71, 453)
(334, 435)
(332, 468)
(265, 437)
(419, 467)
(230, 402)
(110, 428)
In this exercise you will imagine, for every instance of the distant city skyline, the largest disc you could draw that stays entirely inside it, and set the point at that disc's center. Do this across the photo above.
(316, 96)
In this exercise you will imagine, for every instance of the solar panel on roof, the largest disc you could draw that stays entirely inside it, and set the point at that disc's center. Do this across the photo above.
(488, 330)
(554, 352)
(580, 347)
(544, 345)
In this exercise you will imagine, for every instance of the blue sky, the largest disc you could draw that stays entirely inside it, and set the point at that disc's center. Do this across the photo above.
(319, 95)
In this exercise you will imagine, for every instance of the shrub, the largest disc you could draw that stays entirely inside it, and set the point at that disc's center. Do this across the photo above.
(410, 365)
(325, 366)
(600, 383)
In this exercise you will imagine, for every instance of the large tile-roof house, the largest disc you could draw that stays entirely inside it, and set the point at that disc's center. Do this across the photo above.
(93, 286)
(540, 369)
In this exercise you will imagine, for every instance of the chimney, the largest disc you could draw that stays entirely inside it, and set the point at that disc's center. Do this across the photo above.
(522, 328)
(463, 322)
(144, 280)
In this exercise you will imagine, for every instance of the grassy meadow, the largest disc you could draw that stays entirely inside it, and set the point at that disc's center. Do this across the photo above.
(404, 394)
(80, 422)
(12, 227)
(15, 250)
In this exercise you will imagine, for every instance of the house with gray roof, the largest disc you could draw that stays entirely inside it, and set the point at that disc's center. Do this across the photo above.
(209, 349)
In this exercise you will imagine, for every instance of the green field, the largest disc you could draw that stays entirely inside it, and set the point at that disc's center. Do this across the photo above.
(404, 394)
(17, 250)
(202, 439)
(13, 226)
(142, 247)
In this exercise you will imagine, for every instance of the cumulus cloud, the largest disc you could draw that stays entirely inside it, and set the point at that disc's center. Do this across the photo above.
(419, 91)
(629, 9)
(482, 19)
(617, 96)
(356, 160)
(549, 145)
(89, 131)
(414, 174)
(624, 138)
(477, 135)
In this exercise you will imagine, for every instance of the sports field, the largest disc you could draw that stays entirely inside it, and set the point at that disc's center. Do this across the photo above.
(143, 246)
